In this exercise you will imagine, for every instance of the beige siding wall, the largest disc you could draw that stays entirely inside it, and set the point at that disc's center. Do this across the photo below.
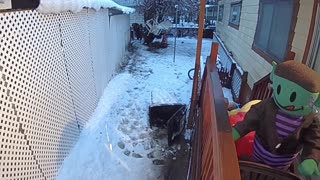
(302, 28)
(240, 41)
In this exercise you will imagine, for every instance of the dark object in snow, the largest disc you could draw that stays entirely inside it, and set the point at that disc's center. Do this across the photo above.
(149, 38)
(160, 114)
(208, 32)
(150, 155)
(170, 116)
(190, 73)
(136, 155)
(176, 124)
(158, 37)
(121, 145)
(157, 45)
(138, 30)
(126, 152)
(158, 162)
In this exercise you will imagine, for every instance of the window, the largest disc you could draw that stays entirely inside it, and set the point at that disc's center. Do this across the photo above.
(235, 12)
(314, 52)
(273, 29)
(215, 12)
(209, 12)
(221, 7)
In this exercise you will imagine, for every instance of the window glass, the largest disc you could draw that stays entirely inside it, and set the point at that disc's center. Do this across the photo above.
(280, 30)
(273, 28)
(264, 29)
(221, 8)
(235, 14)
(316, 66)
(209, 12)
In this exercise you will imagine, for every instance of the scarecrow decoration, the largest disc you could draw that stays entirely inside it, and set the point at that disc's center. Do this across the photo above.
(288, 123)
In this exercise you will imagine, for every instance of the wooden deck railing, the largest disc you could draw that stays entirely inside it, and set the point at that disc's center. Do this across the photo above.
(239, 80)
(261, 89)
(213, 149)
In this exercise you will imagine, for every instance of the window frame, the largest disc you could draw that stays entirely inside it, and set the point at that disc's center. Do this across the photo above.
(211, 10)
(221, 7)
(231, 24)
(289, 54)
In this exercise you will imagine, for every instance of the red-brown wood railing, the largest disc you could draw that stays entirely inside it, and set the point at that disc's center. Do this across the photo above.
(213, 149)
(261, 89)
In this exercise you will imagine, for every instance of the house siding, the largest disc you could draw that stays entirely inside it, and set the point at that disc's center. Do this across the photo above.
(240, 41)
(302, 28)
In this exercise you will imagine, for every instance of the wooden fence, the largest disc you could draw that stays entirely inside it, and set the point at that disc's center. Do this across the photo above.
(213, 149)
(261, 89)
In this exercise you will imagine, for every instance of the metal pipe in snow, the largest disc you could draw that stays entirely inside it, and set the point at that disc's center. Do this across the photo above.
(175, 37)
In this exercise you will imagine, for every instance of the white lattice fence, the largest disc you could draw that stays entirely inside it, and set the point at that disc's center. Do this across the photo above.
(99, 29)
(53, 69)
(76, 47)
(119, 34)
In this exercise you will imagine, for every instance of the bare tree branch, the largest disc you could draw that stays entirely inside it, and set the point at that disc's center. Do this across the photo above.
(165, 8)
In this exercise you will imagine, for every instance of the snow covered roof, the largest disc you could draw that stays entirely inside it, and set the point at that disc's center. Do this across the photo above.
(128, 2)
(57, 6)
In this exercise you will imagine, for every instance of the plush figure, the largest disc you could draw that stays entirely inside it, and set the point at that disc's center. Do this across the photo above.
(287, 123)
(244, 146)
(244, 109)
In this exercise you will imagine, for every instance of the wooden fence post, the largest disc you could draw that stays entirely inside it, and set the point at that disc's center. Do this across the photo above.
(214, 54)
(244, 80)
(195, 94)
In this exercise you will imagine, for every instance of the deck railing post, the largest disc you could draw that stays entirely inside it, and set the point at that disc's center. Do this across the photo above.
(214, 54)
(195, 87)
(244, 80)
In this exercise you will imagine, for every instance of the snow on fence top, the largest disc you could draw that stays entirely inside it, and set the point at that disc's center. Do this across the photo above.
(58, 6)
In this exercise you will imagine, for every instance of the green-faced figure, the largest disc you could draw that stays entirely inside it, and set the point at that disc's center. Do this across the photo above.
(287, 125)
(296, 92)
(293, 92)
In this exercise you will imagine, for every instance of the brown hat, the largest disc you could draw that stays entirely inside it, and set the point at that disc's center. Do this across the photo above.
(299, 74)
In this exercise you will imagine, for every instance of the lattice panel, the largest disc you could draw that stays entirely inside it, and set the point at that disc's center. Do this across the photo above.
(16, 158)
(53, 68)
(76, 45)
(119, 31)
(99, 44)
(38, 125)
(236, 83)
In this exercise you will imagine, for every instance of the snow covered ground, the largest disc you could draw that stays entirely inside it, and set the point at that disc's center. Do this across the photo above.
(117, 142)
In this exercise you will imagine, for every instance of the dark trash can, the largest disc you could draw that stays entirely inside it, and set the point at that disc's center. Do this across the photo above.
(170, 116)
(208, 33)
